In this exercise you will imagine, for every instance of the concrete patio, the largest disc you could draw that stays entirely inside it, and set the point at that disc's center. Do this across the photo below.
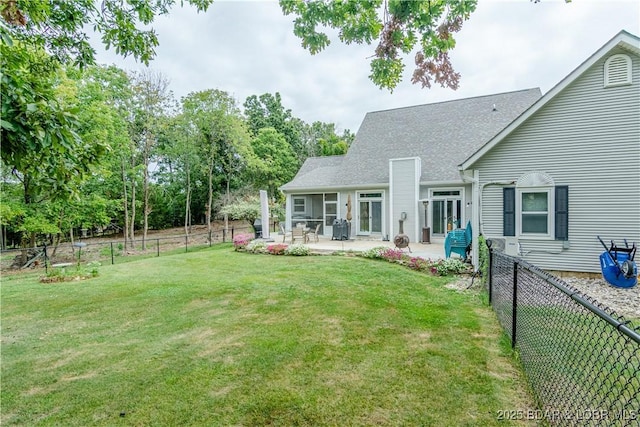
(433, 250)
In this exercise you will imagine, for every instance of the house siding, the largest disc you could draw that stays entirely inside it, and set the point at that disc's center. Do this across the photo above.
(404, 188)
(588, 138)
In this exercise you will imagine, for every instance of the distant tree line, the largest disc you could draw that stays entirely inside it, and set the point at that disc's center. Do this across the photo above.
(121, 151)
(88, 146)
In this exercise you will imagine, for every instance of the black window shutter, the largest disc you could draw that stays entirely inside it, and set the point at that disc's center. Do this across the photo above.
(562, 212)
(509, 211)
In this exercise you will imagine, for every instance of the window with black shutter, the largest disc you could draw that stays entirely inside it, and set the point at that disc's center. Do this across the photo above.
(562, 212)
(509, 211)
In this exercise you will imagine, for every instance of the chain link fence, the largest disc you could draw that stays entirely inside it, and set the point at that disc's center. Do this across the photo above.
(111, 251)
(582, 360)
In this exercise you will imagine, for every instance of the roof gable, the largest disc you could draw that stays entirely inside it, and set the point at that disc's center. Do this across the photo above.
(623, 40)
(440, 134)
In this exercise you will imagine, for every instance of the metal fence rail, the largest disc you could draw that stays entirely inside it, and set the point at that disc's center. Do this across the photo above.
(112, 251)
(582, 360)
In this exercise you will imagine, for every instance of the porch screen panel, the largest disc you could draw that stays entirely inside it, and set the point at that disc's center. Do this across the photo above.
(438, 217)
(376, 217)
(364, 216)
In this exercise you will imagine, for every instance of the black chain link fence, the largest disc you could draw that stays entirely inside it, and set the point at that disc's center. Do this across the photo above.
(582, 360)
(111, 251)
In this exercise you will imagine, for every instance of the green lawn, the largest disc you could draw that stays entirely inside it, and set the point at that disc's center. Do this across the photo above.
(217, 337)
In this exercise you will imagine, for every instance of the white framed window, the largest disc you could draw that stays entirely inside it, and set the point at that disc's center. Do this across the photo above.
(535, 205)
(536, 208)
(299, 205)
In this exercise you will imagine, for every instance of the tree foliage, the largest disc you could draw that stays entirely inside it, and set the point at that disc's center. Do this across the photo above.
(399, 26)
(39, 131)
(277, 162)
(59, 26)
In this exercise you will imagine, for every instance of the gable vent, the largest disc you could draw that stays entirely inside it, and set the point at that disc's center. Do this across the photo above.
(617, 71)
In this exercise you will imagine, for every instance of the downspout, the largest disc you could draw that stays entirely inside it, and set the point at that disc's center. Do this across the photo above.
(476, 215)
(476, 206)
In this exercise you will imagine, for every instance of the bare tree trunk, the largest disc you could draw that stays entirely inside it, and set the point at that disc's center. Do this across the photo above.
(226, 215)
(126, 203)
(132, 224)
(73, 248)
(145, 188)
(210, 202)
(56, 243)
(187, 207)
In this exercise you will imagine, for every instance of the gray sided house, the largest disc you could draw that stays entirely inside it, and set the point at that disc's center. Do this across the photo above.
(568, 169)
(403, 163)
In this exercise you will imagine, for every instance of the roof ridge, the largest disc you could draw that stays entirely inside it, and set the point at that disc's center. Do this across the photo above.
(453, 100)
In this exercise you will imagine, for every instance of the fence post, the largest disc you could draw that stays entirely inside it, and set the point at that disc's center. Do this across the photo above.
(209, 238)
(112, 261)
(46, 260)
(186, 243)
(158, 246)
(514, 306)
(232, 233)
(490, 272)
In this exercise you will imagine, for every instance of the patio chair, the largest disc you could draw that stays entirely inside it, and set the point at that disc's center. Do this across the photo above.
(298, 234)
(313, 233)
(284, 233)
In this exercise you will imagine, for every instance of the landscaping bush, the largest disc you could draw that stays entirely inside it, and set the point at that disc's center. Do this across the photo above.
(419, 264)
(440, 267)
(394, 255)
(297, 250)
(241, 241)
(449, 266)
(277, 249)
(256, 247)
(374, 253)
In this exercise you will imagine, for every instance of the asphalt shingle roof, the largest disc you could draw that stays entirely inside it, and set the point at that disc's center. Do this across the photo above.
(442, 134)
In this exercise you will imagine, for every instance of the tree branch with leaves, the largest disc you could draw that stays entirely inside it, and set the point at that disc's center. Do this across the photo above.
(399, 26)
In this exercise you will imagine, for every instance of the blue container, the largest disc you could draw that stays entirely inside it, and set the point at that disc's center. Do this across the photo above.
(612, 272)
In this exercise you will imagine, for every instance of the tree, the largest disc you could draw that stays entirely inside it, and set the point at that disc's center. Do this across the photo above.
(59, 26)
(321, 139)
(36, 37)
(267, 111)
(276, 161)
(152, 101)
(39, 133)
(178, 162)
(397, 25)
(220, 133)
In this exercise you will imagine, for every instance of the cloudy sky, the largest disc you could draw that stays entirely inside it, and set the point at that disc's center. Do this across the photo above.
(248, 48)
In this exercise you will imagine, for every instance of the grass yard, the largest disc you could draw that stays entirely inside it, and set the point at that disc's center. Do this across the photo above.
(218, 337)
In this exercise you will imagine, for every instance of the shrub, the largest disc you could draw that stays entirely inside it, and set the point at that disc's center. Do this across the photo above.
(448, 266)
(374, 253)
(256, 247)
(393, 255)
(241, 241)
(418, 264)
(483, 259)
(277, 249)
(297, 250)
(93, 268)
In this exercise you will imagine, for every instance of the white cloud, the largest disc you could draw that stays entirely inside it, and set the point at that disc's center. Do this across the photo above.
(248, 48)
